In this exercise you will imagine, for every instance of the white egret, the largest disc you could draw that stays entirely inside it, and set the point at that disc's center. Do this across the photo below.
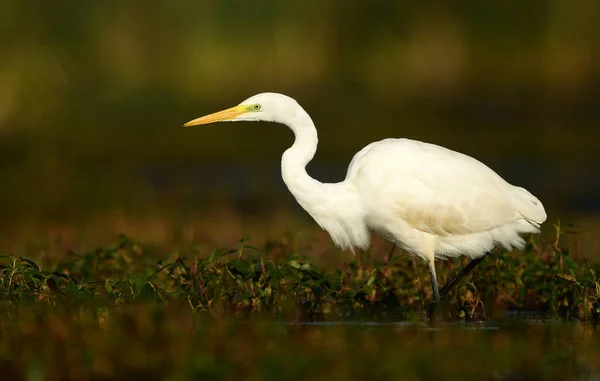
(430, 201)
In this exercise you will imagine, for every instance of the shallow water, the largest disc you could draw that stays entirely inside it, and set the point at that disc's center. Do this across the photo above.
(514, 349)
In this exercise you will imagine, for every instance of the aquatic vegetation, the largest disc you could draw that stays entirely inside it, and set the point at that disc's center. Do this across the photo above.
(128, 310)
(283, 285)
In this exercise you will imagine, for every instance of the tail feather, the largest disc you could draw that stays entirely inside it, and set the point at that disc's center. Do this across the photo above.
(529, 206)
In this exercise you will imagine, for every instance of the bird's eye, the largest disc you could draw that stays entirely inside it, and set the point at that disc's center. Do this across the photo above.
(257, 107)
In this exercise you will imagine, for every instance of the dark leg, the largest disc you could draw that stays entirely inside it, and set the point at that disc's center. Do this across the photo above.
(431, 311)
(434, 284)
(389, 257)
(452, 282)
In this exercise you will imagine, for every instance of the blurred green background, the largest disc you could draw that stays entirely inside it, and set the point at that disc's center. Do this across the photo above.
(93, 96)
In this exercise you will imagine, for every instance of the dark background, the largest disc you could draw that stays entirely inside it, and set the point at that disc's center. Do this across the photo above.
(93, 96)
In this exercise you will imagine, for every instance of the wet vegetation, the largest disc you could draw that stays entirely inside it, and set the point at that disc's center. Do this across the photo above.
(272, 313)
(92, 97)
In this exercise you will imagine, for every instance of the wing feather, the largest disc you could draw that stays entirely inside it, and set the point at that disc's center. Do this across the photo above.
(431, 188)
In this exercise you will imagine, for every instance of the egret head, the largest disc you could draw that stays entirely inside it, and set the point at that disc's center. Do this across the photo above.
(270, 107)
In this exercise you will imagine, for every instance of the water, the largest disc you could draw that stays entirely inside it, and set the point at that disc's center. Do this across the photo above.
(514, 349)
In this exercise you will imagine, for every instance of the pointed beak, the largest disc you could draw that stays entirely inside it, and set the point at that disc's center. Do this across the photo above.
(220, 116)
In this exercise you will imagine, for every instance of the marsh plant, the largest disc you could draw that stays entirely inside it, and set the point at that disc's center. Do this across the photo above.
(277, 283)
(243, 312)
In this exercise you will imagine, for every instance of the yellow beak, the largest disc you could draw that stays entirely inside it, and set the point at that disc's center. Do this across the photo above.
(220, 116)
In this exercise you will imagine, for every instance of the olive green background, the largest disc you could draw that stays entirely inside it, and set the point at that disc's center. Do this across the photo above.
(93, 96)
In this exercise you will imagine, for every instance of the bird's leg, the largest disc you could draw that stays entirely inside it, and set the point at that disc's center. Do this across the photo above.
(461, 274)
(431, 312)
(389, 257)
(434, 284)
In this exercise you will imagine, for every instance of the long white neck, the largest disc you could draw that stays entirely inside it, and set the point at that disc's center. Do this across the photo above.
(295, 158)
(335, 207)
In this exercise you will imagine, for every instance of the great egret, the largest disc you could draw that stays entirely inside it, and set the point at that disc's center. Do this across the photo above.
(428, 200)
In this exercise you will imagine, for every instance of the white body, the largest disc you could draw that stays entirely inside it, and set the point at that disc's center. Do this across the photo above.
(429, 200)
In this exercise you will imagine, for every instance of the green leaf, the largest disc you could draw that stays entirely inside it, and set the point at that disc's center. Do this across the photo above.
(212, 256)
(31, 263)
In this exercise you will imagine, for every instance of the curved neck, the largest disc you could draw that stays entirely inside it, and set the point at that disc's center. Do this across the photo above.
(295, 158)
(335, 207)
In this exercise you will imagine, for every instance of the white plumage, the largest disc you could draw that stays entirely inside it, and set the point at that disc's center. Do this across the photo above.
(430, 201)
